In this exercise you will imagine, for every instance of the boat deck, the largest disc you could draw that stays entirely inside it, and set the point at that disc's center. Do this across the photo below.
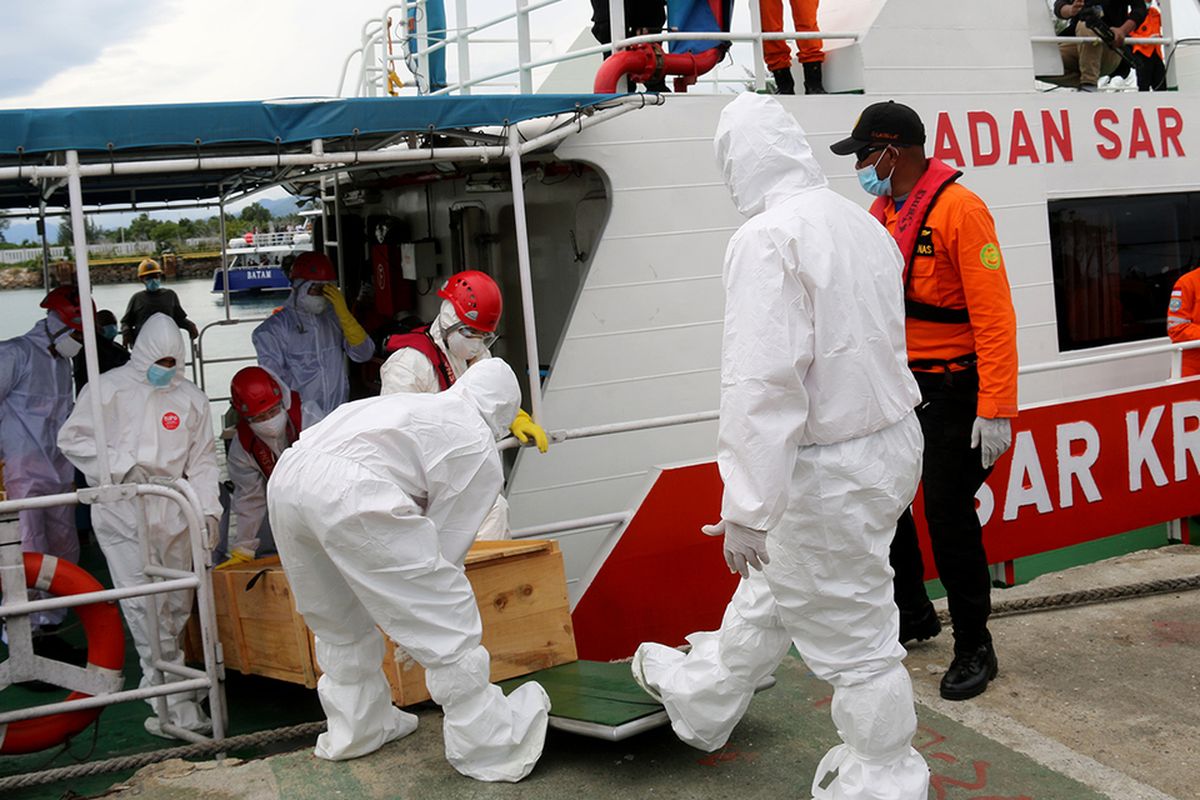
(1091, 702)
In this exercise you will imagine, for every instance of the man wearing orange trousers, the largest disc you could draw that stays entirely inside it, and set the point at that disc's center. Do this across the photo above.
(778, 54)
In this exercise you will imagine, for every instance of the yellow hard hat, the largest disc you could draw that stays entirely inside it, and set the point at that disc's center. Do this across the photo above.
(149, 267)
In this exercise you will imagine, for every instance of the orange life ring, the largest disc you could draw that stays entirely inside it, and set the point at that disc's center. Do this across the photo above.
(106, 651)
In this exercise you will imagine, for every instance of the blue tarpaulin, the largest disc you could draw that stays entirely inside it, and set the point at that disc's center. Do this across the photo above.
(698, 15)
(100, 128)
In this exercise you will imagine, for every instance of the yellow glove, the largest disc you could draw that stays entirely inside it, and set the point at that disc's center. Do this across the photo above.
(353, 332)
(238, 556)
(524, 427)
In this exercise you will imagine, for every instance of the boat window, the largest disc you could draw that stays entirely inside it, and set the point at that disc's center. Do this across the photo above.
(1115, 260)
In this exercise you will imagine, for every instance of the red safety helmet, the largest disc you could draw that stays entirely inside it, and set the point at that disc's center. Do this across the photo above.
(64, 301)
(476, 299)
(254, 391)
(313, 267)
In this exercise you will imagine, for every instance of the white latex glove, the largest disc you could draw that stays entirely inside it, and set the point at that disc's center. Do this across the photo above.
(992, 437)
(212, 525)
(744, 547)
(136, 475)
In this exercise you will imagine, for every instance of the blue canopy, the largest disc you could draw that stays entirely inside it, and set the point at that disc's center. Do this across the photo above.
(120, 133)
(102, 128)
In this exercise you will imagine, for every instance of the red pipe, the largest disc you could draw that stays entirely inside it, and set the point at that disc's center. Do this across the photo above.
(647, 62)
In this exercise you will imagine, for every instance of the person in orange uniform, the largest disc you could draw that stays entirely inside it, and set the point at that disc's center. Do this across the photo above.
(962, 349)
(1182, 323)
(1151, 71)
(778, 54)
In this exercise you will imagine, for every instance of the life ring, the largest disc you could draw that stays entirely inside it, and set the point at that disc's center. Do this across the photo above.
(106, 653)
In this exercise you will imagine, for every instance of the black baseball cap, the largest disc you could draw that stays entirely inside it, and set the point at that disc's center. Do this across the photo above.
(883, 123)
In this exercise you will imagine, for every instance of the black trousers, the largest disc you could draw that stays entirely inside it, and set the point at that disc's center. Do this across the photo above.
(1151, 73)
(951, 475)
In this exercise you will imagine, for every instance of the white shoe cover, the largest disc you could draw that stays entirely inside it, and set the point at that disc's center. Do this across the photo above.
(488, 737)
(201, 725)
(704, 700)
(357, 700)
(876, 720)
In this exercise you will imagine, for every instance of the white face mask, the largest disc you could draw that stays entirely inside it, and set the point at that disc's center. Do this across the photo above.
(271, 429)
(312, 304)
(462, 347)
(66, 345)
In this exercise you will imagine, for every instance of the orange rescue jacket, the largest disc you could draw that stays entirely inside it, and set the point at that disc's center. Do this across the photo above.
(1182, 313)
(957, 264)
(1150, 28)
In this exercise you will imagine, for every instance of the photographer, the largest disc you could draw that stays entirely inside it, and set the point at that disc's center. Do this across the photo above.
(1086, 62)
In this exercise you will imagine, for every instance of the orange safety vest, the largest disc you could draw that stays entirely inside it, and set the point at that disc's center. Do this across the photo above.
(958, 303)
(1181, 318)
(1150, 28)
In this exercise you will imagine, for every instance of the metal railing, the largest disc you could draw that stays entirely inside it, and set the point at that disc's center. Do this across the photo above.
(376, 61)
(103, 685)
(621, 517)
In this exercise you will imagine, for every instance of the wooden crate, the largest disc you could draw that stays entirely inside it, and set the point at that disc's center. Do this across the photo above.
(519, 586)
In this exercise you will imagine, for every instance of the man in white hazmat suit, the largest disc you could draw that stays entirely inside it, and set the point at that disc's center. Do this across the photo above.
(307, 341)
(157, 424)
(35, 399)
(820, 452)
(429, 359)
(373, 511)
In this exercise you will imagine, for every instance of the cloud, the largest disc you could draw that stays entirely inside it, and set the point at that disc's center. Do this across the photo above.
(42, 41)
(119, 52)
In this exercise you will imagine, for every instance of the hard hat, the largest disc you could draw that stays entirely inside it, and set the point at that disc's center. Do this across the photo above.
(254, 391)
(64, 301)
(148, 267)
(476, 299)
(313, 267)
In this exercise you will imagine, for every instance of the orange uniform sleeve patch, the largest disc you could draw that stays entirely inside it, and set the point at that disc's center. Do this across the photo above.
(989, 256)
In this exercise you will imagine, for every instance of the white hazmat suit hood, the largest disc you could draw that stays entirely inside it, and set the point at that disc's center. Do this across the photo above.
(763, 154)
(404, 482)
(492, 388)
(820, 452)
(159, 338)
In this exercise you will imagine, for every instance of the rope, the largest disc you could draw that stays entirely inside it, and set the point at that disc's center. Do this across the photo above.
(138, 760)
(1084, 597)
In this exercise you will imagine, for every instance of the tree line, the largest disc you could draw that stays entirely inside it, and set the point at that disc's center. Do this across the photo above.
(168, 234)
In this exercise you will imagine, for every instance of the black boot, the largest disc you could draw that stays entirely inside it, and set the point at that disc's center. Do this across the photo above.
(812, 78)
(920, 627)
(784, 82)
(969, 672)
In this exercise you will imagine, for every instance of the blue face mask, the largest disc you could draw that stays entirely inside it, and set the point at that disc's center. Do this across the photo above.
(109, 331)
(153, 284)
(160, 376)
(869, 180)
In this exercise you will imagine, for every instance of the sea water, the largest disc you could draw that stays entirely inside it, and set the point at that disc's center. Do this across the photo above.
(19, 311)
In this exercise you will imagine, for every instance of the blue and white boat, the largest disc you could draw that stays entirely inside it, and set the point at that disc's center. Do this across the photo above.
(254, 261)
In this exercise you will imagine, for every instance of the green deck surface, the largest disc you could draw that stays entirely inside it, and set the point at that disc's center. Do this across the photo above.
(771, 754)
(592, 691)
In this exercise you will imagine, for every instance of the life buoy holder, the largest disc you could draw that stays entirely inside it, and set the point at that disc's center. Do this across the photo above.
(106, 653)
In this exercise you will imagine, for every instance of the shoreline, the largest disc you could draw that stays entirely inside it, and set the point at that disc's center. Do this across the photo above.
(185, 269)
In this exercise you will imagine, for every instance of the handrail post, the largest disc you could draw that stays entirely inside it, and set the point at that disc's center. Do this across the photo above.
(760, 69)
(616, 21)
(524, 50)
(462, 46)
(531, 348)
(83, 281)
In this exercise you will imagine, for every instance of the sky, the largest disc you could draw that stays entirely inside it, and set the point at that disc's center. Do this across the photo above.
(72, 52)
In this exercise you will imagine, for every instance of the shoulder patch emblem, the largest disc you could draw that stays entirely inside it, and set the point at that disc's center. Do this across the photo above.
(1176, 303)
(989, 256)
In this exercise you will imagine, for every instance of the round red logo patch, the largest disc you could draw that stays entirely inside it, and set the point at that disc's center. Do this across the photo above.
(170, 420)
